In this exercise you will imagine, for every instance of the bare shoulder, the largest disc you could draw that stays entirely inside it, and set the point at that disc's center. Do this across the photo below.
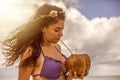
(27, 53)
(25, 72)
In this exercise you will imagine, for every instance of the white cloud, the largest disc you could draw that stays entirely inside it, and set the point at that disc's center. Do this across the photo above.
(99, 37)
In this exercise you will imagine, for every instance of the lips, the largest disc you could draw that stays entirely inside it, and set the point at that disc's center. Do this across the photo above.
(58, 38)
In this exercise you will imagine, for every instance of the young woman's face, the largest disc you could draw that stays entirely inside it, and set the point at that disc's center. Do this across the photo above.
(53, 33)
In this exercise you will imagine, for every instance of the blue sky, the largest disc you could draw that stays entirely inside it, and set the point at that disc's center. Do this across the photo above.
(97, 8)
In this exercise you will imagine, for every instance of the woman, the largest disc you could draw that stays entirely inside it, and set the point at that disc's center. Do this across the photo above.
(35, 45)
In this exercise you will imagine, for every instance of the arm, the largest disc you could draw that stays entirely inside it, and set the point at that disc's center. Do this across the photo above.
(25, 72)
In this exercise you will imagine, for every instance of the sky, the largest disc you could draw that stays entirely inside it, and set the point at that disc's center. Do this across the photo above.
(91, 26)
(96, 8)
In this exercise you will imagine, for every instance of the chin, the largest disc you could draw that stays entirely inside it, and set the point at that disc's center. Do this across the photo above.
(55, 41)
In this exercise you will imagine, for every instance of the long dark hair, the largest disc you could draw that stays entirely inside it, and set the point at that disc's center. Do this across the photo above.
(30, 34)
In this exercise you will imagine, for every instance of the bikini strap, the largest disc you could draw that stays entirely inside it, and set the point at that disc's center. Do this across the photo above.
(44, 56)
(42, 52)
(59, 51)
(36, 75)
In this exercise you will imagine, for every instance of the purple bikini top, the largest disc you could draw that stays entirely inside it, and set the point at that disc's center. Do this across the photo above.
(51, 68)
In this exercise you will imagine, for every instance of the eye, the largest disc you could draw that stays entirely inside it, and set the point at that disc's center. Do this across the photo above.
(56, 30)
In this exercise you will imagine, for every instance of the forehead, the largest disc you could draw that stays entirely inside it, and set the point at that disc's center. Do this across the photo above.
(59, 24)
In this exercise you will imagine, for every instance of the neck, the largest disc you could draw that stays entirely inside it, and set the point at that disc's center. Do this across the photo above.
(46, 44)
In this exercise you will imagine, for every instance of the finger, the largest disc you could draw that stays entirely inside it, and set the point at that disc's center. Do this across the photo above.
(75, 74)
(69, 76)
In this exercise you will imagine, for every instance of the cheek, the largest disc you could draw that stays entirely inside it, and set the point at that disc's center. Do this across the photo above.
(51, 34)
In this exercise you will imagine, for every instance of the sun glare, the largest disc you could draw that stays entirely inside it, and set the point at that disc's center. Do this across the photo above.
(11, 15)
(4, 4)
(6, 8)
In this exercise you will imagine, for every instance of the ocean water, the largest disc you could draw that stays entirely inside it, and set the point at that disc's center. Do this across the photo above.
(103, 78)
(12, 73)
(87, 78)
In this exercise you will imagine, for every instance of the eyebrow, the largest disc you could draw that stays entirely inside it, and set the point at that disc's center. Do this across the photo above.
(59, 27)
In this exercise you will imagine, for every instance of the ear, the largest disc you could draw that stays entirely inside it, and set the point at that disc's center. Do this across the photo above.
(44, 29)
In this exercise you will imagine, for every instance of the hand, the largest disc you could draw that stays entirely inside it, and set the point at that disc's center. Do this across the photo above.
(69, 75)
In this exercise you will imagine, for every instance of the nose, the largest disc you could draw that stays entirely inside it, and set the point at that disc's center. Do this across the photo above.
(60, 33)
